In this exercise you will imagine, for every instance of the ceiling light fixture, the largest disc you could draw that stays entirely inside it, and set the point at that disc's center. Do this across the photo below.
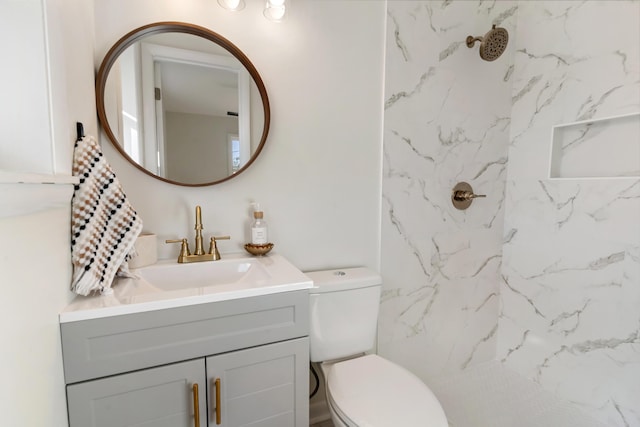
(275, 10)
(233, 5)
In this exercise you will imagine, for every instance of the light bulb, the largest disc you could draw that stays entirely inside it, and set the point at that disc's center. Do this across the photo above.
(275, 10)
(233, 5)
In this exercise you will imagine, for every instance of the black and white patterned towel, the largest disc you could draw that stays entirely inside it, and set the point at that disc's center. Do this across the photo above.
(104, 226)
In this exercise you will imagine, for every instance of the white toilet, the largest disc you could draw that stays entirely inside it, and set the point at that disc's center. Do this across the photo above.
(362, 390)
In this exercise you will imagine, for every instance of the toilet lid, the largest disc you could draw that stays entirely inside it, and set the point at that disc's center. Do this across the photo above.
(372, 391)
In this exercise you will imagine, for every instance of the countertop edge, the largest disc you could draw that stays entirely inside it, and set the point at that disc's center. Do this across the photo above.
(102, 312)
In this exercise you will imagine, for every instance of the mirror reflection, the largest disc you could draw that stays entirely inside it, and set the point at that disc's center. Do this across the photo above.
(182, 108)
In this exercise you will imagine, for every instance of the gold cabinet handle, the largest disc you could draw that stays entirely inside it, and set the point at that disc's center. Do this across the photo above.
(196, 406)
(218, 409)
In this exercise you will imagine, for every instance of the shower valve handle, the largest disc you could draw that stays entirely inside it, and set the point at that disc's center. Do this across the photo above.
(466, 195)
(462, 195)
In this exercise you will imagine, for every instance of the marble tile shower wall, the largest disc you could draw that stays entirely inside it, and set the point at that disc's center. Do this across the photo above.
(570, 289)
(447, 115)
(544, 274)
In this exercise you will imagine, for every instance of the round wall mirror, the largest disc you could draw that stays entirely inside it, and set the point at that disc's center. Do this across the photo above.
(182, 104)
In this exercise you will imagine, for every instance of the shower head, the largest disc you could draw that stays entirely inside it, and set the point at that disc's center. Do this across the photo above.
(492, 45)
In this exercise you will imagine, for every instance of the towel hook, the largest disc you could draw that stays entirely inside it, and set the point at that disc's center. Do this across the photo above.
(79, 131)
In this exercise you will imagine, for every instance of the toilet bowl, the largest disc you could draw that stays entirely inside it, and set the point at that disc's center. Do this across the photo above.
(362, 390)
(372, 391)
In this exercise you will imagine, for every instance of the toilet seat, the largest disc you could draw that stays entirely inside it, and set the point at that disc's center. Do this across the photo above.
(370, 391)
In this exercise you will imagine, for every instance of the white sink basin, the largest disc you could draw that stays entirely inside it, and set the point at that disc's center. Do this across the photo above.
(168, 284)
(170, 276)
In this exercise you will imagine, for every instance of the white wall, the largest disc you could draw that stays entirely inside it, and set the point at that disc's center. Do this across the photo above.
(47, 85)
(34, 260)
(46, 76)
(318, 177)
(72, 94)
(25, 119)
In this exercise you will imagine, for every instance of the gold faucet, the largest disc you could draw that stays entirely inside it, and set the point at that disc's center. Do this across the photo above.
(199, 254)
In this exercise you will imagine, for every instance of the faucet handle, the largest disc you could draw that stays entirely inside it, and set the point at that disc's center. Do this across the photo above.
(184, 248)
(213, 247)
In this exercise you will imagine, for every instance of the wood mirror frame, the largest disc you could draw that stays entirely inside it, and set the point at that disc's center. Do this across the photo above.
(176, 27)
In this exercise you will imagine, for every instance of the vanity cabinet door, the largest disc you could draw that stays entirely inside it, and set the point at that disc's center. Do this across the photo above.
(265, 386)
(158, 397)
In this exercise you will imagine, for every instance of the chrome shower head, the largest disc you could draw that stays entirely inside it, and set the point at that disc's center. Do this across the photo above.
(492, 45)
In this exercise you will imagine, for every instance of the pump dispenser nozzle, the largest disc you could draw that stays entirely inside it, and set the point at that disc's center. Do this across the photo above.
(257, 212)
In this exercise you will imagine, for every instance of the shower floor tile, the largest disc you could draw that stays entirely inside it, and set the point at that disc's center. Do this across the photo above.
(489, 395)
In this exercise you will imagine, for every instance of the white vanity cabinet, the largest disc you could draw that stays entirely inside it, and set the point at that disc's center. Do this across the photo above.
(249, 358)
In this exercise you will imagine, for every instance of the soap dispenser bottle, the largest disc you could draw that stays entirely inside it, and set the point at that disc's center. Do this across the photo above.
(259, 234)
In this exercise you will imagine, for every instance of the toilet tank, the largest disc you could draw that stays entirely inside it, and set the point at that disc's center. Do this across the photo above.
(343, 306)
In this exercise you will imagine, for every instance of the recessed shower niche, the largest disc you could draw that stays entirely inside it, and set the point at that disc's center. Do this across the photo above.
(608, 147)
